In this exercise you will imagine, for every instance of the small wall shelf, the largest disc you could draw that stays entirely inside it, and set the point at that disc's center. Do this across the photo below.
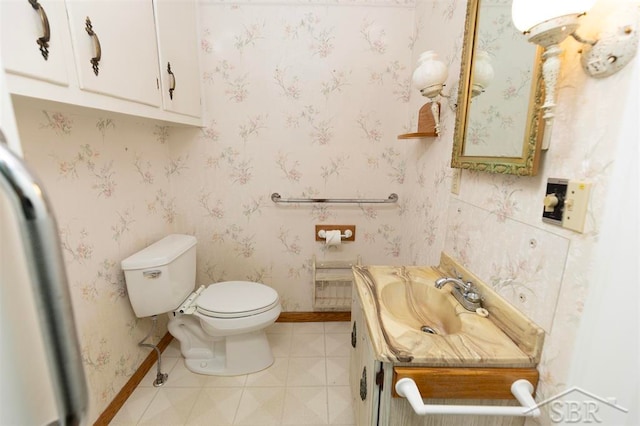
(426, 125)
(333, 281)
(417, 135)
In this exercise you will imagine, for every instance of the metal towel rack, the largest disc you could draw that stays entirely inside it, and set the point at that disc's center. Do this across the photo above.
(393, 198)
(49, 282)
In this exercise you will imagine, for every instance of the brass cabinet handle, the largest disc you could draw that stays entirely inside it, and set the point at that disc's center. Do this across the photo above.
(95, 61)
(43, 41)
(172, 80)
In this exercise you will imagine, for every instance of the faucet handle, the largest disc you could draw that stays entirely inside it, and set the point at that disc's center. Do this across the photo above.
(457, 274)
(468, 286)
(473, 296)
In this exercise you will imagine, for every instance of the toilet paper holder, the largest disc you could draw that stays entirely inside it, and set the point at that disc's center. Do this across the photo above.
(347, 232)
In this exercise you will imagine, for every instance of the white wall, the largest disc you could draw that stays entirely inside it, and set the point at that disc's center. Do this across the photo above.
(605, 358)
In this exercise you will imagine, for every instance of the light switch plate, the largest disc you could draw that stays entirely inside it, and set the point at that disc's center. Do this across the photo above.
(574, 213)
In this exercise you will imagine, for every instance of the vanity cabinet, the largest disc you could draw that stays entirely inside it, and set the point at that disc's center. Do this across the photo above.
(105, 55)
(375, 402)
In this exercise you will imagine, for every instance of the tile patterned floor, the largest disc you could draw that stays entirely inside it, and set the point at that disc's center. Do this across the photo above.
(308, 384)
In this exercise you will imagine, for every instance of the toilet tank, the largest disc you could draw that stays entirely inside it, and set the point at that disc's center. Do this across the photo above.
(160, 277)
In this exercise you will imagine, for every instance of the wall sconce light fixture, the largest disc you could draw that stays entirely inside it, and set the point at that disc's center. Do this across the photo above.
(431, 73)
(429, 78)
(482, 73)
(548, 22)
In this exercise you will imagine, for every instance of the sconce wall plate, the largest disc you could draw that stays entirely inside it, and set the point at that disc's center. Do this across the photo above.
(614, 49)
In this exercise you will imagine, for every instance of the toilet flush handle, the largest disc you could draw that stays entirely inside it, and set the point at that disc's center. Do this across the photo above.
(152, 274)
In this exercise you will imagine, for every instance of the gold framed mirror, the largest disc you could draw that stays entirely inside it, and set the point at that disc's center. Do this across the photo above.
(499, 127)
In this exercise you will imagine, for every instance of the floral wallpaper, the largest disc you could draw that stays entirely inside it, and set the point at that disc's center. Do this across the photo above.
(107, 180)
(306, 99)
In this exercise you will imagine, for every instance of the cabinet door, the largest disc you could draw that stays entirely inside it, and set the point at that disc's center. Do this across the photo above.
(22, 26)
(355, 358)
(177, 26)
(124, 41)
(363, 368)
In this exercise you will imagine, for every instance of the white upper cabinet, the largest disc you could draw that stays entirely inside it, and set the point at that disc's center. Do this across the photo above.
(115, 48)
(35, 40)
(103, 54)
(177, 29)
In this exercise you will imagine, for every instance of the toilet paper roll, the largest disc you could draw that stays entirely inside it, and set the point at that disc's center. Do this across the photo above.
(333, 238)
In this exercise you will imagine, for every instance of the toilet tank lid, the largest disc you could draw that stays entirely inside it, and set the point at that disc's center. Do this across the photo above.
(159, 253)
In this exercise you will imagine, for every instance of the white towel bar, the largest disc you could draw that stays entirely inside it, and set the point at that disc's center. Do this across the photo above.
(521, 389)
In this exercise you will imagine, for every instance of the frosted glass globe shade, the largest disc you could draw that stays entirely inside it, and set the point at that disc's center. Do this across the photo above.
(482, 69)
(528, 13)
(430, 71)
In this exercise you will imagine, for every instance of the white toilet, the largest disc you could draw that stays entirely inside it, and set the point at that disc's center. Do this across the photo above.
(220, 327)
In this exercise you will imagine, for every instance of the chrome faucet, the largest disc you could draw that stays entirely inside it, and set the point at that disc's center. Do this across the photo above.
(462, 286)
(464, 292)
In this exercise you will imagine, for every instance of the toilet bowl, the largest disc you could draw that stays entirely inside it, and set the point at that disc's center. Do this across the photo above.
(225, 334)
(220, 326)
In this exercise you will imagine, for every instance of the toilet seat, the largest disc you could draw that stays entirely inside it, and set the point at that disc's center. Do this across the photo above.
(236, 299)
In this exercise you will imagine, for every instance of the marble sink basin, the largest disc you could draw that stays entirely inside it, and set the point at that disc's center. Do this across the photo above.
(412, 321)
(421, 306)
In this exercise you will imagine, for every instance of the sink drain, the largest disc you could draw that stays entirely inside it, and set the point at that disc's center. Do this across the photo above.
(427, 329)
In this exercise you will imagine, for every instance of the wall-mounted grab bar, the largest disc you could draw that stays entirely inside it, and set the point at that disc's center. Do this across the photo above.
(49, 282)
(393, 198)
(522, 389)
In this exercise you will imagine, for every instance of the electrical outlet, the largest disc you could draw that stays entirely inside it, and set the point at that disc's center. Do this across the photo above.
(455, 181)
